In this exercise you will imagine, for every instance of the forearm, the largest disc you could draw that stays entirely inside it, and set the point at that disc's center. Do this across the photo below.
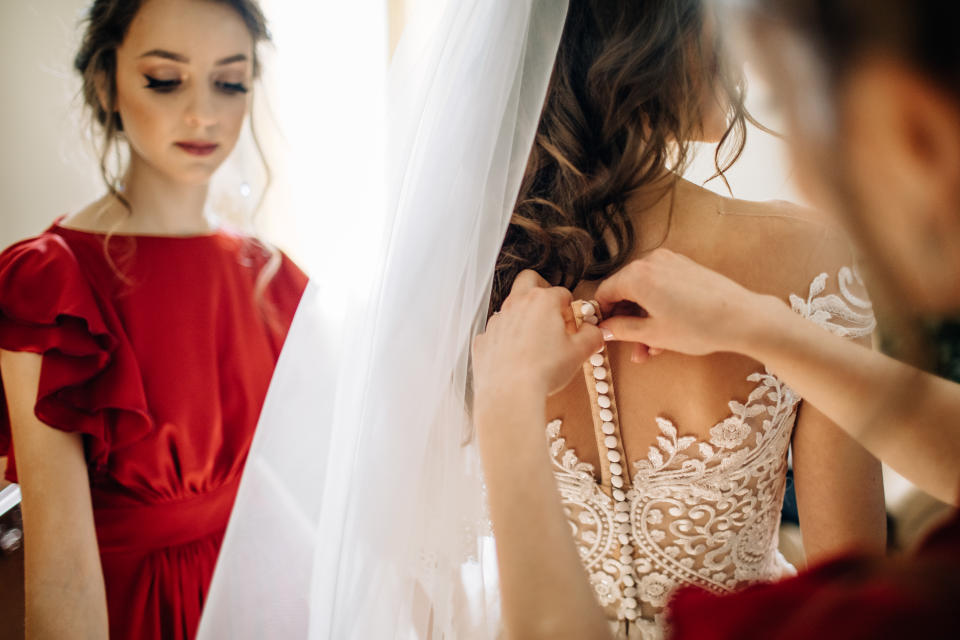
(545, 592)
(839, 490)
(905, 417)
(65, 607)
(64, 587)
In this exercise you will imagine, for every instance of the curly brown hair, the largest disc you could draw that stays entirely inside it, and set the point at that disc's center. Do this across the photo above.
(624, 101)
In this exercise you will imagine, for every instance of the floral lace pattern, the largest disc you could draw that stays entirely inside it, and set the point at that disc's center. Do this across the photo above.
(698, 512)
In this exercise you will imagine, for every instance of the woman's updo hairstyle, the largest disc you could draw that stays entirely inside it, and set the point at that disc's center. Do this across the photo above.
(107, 23)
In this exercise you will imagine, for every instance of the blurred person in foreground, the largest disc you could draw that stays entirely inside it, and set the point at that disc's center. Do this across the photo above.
(872, 94)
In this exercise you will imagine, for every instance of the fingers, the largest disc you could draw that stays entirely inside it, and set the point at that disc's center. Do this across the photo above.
(532, 298)
(628, 329)
(526, 280)
(630, 283)
(587, 341)
(640, 353)
(568, 320)
(638, 279)
(614, 289)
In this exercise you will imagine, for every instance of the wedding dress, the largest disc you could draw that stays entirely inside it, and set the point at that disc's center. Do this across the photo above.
(692, 512)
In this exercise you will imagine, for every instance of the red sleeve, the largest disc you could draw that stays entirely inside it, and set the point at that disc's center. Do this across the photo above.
(89, 381)
(283, 295)
(854, 598)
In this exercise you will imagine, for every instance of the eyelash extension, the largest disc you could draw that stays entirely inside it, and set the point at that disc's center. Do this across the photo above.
(161, 86)
(232, 87)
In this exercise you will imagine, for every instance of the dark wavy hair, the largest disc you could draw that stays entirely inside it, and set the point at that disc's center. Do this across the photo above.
(623, 102)
(922, 33)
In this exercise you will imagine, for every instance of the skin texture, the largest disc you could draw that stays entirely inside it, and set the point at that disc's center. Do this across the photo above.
(881, 151)
(838, 482)
(695, 310)
(776, 249)
(899, 161)
(903, 163)
(167, 189)
(165, 185)
(64, 589)
(535, 334)
(900, 155)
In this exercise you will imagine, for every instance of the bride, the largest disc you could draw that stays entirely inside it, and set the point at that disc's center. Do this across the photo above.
(671, 473)
(361, 512)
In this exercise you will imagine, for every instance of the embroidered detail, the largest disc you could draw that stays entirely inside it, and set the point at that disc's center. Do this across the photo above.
(697, 512)
(846, 315)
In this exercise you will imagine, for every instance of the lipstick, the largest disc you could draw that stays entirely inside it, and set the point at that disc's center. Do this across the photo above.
(197, 148)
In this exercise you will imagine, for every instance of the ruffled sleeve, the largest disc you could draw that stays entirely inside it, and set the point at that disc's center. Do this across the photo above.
(90, 382)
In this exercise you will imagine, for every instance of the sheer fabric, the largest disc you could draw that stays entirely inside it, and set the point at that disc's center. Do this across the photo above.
(693, 512)
(360, 513)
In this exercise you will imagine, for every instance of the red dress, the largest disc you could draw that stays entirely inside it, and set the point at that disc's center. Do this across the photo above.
(849, 598)
(160, 357)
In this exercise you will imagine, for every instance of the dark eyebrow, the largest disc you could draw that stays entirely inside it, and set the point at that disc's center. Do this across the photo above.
(240, 57)
(176, 57)
(160, 53)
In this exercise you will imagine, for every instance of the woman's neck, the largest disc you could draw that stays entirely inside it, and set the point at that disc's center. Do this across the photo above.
(161, 205)
(158, 205)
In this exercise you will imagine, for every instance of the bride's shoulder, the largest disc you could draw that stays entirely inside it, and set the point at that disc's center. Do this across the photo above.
(780, 247)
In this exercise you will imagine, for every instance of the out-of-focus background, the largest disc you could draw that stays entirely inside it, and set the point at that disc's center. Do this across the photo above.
(48, 166)
(317, 70)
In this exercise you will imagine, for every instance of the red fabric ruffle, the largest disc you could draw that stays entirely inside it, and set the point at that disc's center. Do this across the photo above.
(90, 382)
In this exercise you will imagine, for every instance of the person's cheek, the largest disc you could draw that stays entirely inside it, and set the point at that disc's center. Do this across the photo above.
(139, 123)
(235, 114)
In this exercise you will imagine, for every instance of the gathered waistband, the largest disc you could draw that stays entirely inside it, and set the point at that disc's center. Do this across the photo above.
(124, 526)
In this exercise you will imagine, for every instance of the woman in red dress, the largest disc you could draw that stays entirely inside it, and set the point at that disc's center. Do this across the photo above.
(137, 339)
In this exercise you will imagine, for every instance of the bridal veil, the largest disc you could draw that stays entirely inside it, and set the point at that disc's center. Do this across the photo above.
(361, 510)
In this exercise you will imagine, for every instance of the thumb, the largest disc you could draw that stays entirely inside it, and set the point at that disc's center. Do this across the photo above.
(628, 329)
(587, 341)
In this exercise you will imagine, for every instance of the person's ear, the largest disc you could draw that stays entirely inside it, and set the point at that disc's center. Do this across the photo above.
(100, 84)
(901, 135)
(914, 126)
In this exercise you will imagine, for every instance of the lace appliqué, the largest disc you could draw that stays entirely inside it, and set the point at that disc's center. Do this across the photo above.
(849, 316)
(699, 512)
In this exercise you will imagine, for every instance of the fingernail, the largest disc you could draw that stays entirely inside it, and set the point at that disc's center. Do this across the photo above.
(634, 357)
(607, 334)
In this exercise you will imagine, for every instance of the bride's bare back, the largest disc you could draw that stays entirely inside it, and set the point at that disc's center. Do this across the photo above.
(772, 248)
(698, 496)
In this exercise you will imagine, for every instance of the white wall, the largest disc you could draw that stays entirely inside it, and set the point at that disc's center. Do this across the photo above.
(45, 167)
(763, 171)
(327, 57)
(49, 169)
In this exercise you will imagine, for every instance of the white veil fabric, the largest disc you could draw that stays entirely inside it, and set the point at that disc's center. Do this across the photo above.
(361, 512)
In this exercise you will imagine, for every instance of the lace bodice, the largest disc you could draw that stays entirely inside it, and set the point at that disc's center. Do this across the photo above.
(693, 511)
